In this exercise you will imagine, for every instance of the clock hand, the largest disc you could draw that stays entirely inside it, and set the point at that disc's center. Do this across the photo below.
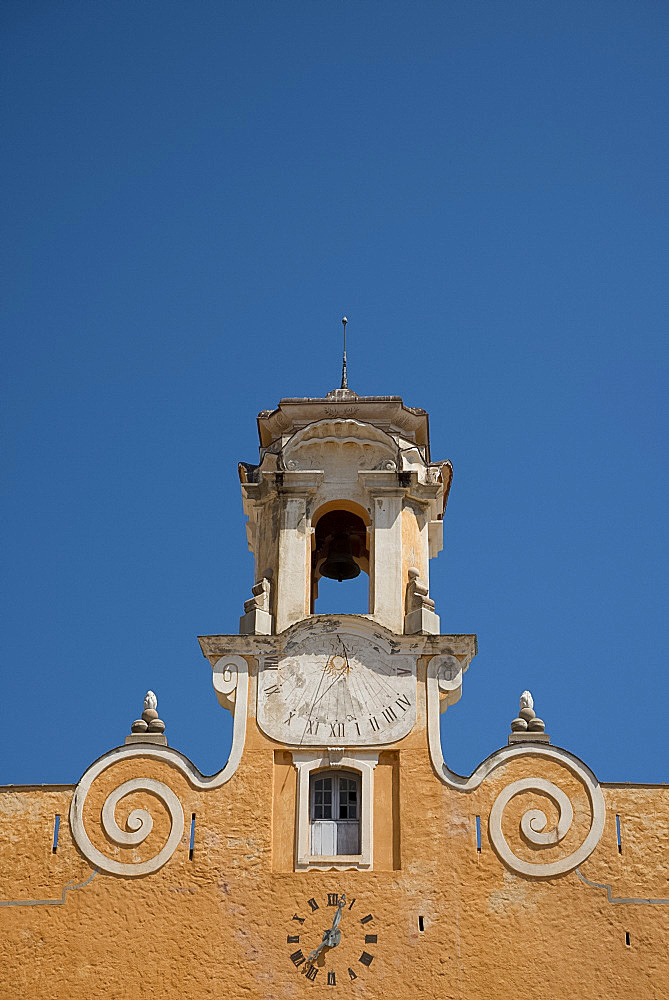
(337, 918)
(332, 936)
(313, 955)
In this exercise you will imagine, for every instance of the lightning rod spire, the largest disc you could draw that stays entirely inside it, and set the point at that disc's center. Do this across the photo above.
(344, 376)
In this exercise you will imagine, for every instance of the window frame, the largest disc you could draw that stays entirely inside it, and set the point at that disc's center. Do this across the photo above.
(335, 800)
(363, 763)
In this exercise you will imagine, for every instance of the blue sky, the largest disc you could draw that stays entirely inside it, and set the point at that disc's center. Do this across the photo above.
(194, 194)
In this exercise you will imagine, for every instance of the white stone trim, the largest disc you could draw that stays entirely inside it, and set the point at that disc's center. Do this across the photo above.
(533, 821)
(305, 763)
(387, 589)
(230, 675)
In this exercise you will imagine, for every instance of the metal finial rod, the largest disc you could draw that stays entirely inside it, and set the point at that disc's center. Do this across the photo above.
(344, 377)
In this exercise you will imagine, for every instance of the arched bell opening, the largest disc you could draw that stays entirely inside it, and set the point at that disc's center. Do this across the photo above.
(340, 552)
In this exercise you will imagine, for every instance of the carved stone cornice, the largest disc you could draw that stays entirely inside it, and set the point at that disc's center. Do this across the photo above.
(387, 412)
(463, 645)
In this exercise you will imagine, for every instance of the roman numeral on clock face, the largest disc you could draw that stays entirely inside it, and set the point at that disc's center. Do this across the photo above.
(366, 958)
(336, 729)
(389, 714)
(297, 958)
(333, 899)
(311, 972)
(332, 979)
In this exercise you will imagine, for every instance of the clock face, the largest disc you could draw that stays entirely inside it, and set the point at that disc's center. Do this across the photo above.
(332, 939)
(337, 689)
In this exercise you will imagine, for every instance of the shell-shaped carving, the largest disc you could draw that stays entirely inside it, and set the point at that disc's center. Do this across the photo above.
(304, 450)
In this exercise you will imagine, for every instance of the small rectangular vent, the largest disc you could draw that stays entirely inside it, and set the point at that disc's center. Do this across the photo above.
(56, 828)
(191, 846)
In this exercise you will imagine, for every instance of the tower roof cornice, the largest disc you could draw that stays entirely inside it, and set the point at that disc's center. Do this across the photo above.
(386, 412)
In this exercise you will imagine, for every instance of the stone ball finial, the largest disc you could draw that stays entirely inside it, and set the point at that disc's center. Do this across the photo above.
(150, 725)
(527, 720)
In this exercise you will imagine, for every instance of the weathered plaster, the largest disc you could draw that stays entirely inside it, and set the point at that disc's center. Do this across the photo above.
(511, 880)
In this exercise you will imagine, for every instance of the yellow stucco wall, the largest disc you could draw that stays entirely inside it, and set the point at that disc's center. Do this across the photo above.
(218, 925)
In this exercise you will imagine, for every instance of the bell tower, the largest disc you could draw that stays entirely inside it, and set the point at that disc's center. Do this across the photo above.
(344, 485)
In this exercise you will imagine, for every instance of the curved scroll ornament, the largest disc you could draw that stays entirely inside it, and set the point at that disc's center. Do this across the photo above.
(440, 677)
(232, 674)
(448, 672)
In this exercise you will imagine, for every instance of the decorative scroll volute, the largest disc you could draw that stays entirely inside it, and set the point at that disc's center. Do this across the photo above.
(224, 677)
(447, 670)
(127, 812)
(130, 824)
(546, 808)
(544, 823)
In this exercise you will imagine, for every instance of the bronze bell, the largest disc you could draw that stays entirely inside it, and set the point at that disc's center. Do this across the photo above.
(339, 563)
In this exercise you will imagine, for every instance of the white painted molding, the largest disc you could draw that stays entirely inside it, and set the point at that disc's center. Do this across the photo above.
(305, 763)
(231, 676)
(447, 669)
(533, 821)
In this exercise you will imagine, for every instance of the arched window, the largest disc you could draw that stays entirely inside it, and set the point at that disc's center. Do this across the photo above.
(334, 813)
